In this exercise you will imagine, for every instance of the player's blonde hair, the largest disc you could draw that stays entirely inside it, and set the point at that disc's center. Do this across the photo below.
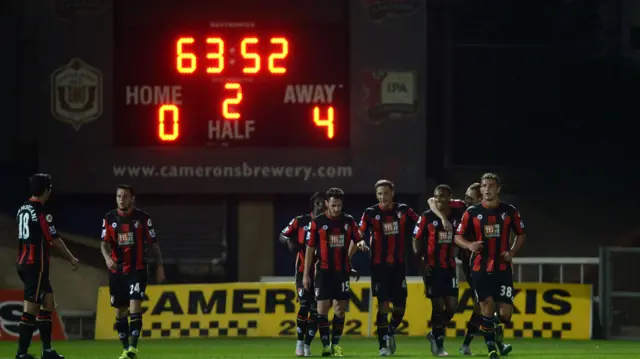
(384, 182)
(491, 176)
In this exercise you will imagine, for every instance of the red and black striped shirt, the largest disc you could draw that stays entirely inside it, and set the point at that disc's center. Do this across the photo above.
(332, 237)
(36, 231)
(388, 229)
(439, 248)
(492, 226)
(457, 204)
(299, 227)
(463, 254)
(129, 235)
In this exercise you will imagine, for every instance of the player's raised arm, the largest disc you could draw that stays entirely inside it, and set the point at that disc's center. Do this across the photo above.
(445, 221)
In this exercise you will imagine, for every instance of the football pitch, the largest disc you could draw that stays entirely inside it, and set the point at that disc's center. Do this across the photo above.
(353, 348)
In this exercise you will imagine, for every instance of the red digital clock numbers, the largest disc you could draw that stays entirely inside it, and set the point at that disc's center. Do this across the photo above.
(217, 55)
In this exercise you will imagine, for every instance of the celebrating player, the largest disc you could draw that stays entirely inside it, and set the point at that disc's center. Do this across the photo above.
(36, 233)
(335, 235)
(472, 197)
(307, 314)
(489, 224)
(388, 224)
(127, 235)
(438, 256)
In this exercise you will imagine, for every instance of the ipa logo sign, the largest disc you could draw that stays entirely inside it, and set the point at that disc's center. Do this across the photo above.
(390, 94)
(76, 93)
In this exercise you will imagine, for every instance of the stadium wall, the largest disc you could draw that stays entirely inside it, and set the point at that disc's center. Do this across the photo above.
(255, 251)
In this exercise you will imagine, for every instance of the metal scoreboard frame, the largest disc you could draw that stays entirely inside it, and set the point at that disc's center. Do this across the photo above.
(385, 101)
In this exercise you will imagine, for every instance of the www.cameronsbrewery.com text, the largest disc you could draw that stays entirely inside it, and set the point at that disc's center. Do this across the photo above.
(243, 170)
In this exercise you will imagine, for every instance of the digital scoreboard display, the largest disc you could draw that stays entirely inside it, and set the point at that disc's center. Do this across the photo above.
(241, 73)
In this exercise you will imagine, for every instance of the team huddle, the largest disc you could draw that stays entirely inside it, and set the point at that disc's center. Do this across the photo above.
(128, 237)
(476, 230)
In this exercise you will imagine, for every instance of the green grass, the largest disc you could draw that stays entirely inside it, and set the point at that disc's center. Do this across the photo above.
(354, 348)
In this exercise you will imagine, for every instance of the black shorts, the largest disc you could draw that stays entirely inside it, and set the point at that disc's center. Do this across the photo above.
(332, 285)
(389, 283)
(497, 285)
(441, 282)
(36, 284)
(126, 287)
(305, 297)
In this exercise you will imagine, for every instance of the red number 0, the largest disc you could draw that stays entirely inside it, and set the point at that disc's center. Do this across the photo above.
(162, 133)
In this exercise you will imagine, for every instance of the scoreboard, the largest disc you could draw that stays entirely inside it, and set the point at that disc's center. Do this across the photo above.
(243, 83)
(242, 96)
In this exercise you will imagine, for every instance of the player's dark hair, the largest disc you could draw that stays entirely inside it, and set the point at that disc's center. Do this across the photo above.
(336, 193)
(444, 187)
(316, 196)
(491, 176)
(127, 188)
(384, 182)
(39, 183)
(475, 186)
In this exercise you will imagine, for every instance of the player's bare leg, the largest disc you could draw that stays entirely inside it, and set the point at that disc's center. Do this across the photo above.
(135, 327)
(382, 322)
(26, 328)
(488, 326)
(323, 326)
(472, 329)
(45, 327)
(122, 327)
(504, 316)
(337, 326)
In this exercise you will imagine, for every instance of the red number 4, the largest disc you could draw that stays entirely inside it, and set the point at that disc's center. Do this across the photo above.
(325, 122)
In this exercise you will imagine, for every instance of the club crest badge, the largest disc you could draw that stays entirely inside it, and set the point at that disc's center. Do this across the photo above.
(76, 93)
(390, 94)
(379, 10)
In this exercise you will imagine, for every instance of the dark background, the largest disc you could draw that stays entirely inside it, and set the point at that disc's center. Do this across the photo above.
(544, 93)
